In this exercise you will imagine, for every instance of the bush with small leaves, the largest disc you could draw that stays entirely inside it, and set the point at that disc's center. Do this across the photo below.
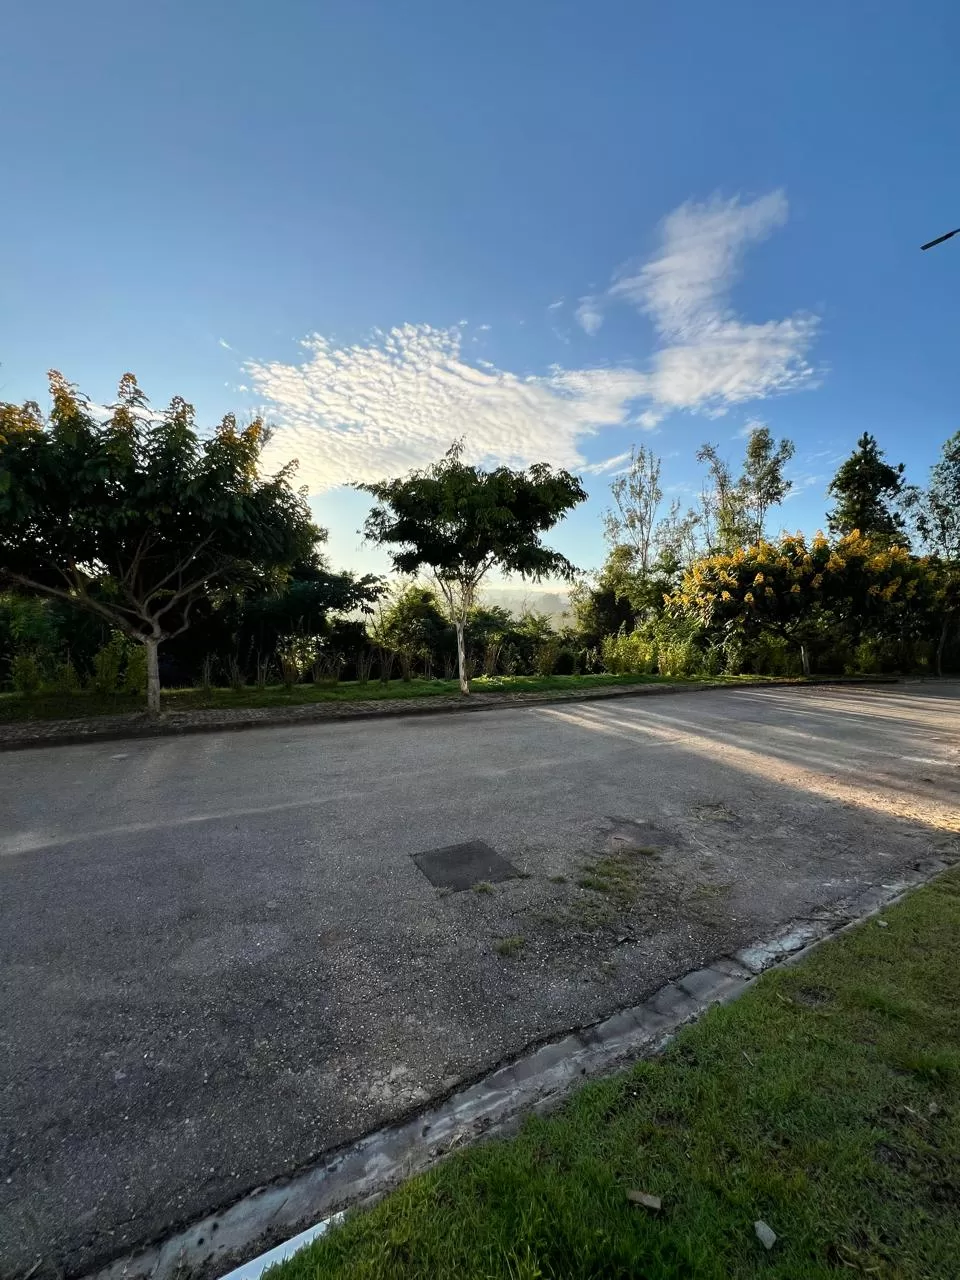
(135, 675)
(566, 664)
(25, 674)
(545, 657)
(108, 664)
(65, 679)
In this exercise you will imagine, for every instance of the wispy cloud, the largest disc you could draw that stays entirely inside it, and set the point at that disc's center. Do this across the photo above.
(589, 315)
(708, 358)
(801, 481)
(555, 306)
(608, 465)
(368, 411)
(223, 343)
(379, 408)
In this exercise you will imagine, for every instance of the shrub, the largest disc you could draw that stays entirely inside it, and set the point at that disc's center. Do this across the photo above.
(295, 654)
(632, 654)
(678, 658)
(566, 664)
(25, 674)
(65, 678)
(867, 659)
(545, 657)
(734, 655)
(711, 662)
(108, 664)
(135, 675)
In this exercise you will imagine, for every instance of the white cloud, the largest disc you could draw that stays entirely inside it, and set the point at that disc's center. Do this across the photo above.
(801, 481)
(684, 287)
(362, 412)
(607, 465)
(709, 358)
(368, 411)
(748, 428)
(223, 343)
(555, 306)
(482, 328)
(589, 315)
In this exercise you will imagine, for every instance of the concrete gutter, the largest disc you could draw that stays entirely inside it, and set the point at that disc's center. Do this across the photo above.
(27, 734)
(537, 1081)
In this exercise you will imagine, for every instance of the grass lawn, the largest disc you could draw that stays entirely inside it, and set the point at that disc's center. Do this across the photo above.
(826, 1103)
(52, 706)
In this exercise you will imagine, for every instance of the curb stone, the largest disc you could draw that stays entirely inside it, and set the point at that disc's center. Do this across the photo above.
(21, 735)
(538, 1081)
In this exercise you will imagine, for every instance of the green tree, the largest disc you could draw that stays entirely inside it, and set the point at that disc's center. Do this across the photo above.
(412, 623)
(637, 495)
(722, 519)
(136, 517)
(936, 513)
(762, 483)
(797, 591)
(867, 491)
(459, 522)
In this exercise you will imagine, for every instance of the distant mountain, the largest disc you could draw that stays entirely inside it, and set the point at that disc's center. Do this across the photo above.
(518, 599)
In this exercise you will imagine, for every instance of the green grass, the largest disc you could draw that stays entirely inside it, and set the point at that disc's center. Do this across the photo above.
(618, 875)
(826, 1102)
(509, 947)
(54, 706)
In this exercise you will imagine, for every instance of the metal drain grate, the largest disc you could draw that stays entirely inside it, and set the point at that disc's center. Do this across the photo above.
(461, 866)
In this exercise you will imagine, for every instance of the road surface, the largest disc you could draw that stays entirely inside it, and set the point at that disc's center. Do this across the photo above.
(218, 958)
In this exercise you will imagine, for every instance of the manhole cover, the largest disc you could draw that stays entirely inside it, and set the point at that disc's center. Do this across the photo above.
(461, 866)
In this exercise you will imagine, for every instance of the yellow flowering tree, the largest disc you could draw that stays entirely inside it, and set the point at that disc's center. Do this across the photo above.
(800, 590)
(770, 587)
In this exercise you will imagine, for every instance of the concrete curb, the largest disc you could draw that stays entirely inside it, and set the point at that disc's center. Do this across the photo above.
(537, 1081)
(28, 735)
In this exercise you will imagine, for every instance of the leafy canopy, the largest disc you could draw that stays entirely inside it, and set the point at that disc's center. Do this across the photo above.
(459, 521)
(137, 516)
(866, 492)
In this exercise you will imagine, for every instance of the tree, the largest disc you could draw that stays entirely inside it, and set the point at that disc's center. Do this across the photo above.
(412, 624)
(762, 484)
(794, 590)
(458, 522)
(866, 491)
(637, 496)
(722, 517)
(136, 518)
(936, 513)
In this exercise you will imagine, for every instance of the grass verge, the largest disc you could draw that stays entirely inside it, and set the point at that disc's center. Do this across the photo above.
(56, 706)
(826, 1103)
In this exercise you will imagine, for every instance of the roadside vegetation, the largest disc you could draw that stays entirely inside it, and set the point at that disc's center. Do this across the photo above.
(138, 552)
(825, 1104)
(52, 705)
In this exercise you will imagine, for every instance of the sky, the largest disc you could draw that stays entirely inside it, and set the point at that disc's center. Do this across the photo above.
(555, 229)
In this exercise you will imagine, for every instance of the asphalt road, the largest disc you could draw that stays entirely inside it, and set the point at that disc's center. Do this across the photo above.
(219, 960)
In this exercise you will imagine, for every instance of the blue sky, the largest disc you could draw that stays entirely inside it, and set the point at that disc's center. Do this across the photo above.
(556, 228)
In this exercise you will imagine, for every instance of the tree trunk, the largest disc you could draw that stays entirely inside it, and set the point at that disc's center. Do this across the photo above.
(942, 644)
(151, 643)
(805, 659)
(462, 658)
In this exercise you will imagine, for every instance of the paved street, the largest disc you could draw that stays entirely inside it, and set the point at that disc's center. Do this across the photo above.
(218, 958)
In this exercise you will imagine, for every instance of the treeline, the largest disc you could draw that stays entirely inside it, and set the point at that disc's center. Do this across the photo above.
(137, 551)
(709, 589)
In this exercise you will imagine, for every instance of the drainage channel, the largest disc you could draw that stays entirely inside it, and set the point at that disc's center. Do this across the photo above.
(536, 1081)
